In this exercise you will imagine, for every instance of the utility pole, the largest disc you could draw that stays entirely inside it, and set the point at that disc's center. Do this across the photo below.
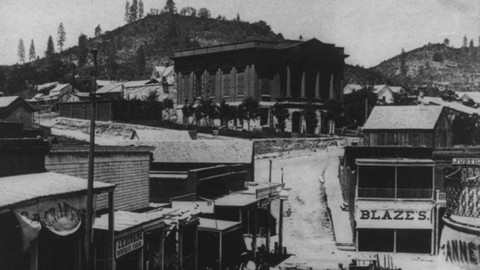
(280, 223)
(269, 211)
(91, 153)
(366, 110)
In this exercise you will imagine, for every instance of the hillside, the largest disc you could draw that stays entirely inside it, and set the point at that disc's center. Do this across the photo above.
(436, 65)
(129, 52)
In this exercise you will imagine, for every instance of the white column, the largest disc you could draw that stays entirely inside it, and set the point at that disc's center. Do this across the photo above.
(317, 86)
(289, 83)
(331, 92)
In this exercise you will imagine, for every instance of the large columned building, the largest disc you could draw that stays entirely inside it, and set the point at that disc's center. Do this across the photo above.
(292, 72)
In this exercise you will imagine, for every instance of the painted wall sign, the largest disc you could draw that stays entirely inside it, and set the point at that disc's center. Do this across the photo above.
(61, 216)
(128, 244)
(459, 250)
(394, 218)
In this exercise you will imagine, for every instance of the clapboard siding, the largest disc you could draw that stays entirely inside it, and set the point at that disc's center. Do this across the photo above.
(128, 170)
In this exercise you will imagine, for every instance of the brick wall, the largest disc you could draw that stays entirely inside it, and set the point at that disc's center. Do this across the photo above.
(128, 170)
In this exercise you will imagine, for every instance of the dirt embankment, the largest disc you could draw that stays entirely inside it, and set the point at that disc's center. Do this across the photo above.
(278, 146)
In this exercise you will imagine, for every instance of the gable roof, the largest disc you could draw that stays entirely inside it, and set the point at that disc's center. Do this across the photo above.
(454, 105)
(396, 89)
(7, 101)
(58, 88)
(475, 96)
(8, 104)
(403, 117)
(202, 151)
(379, 87)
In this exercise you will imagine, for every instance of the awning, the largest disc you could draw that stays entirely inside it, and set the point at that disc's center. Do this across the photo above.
(394, 162)
(21, 189)
(216, 225)
(236, 200)
(124, 220)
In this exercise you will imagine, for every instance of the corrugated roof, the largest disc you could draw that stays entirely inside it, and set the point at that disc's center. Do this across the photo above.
(6, 101)
(22, 188)
(201, 151)
(403, 117)
(217, 225)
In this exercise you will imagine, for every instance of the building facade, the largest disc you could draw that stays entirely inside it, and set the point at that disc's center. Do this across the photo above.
(291, 72)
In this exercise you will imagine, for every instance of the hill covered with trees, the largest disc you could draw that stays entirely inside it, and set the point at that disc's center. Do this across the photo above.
(436, 65)
(131, 51)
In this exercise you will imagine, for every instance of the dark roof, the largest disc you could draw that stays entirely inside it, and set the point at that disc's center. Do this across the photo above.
(250, 44)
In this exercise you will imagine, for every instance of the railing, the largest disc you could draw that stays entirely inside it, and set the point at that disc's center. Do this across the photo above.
(391, 193)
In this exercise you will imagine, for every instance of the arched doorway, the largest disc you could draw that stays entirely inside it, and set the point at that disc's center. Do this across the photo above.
(296, 116)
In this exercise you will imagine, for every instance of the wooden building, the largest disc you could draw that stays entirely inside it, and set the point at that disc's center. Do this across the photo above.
(292, 72)
(421, 125)
(16, 109)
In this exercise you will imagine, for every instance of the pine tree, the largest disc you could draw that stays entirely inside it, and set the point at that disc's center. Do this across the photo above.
(446, 42)
(471, 43)
(32, 55)
(465, 41)
(21, 51)
(238, 17)
(140, 9)
(50, 48)
(170, 7)
(133, 13)
(98, 31)
(127, 12)
(300, 37)
(61, 37)
(82, 50)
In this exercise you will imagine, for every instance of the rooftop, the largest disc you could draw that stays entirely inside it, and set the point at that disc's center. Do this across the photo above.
(201, 151)
(7, 101)
(23, 188)
(403, 117)
(207, 224)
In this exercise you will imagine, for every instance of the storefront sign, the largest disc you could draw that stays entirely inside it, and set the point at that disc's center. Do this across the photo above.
(459, 250)
(61, 216)
(394, 218)
(470, 167)
(128, 244)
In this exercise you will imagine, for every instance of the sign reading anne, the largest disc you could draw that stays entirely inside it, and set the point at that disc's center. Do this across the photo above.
(128, 244)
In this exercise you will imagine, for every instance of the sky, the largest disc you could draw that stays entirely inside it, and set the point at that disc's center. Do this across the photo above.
(370, 30)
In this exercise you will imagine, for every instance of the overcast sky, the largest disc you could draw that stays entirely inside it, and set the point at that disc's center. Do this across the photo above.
(370, 30)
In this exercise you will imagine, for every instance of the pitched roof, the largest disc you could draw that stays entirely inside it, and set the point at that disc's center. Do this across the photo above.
(454, 105)
(396, 89)
(204, 151)
(403, 117)
(475, 96)
(111, 88)
(58, 88)
(7, 101)
(379, 87)
(40, 87)
(23, 188)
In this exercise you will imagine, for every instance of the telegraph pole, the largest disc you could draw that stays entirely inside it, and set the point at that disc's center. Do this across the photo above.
(91, 153)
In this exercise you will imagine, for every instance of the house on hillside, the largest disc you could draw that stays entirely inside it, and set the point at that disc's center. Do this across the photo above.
(351, 88)
(469, 97)
(385, 93)
(135, 90)
(292, 72)
(420, 125)
(16, 109)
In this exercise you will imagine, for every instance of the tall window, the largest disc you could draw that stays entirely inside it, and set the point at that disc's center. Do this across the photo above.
(241, 83)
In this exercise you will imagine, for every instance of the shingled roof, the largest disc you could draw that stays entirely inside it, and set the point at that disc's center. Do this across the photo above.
(403, 117)
(202, 151)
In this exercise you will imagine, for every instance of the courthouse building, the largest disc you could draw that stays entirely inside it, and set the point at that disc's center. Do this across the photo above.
(292, 72)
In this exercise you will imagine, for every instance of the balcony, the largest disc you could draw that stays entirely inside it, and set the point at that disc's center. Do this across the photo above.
(393, 194)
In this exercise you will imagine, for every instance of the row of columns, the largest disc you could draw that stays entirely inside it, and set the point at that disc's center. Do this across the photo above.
(187, 84)
(331, 91)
